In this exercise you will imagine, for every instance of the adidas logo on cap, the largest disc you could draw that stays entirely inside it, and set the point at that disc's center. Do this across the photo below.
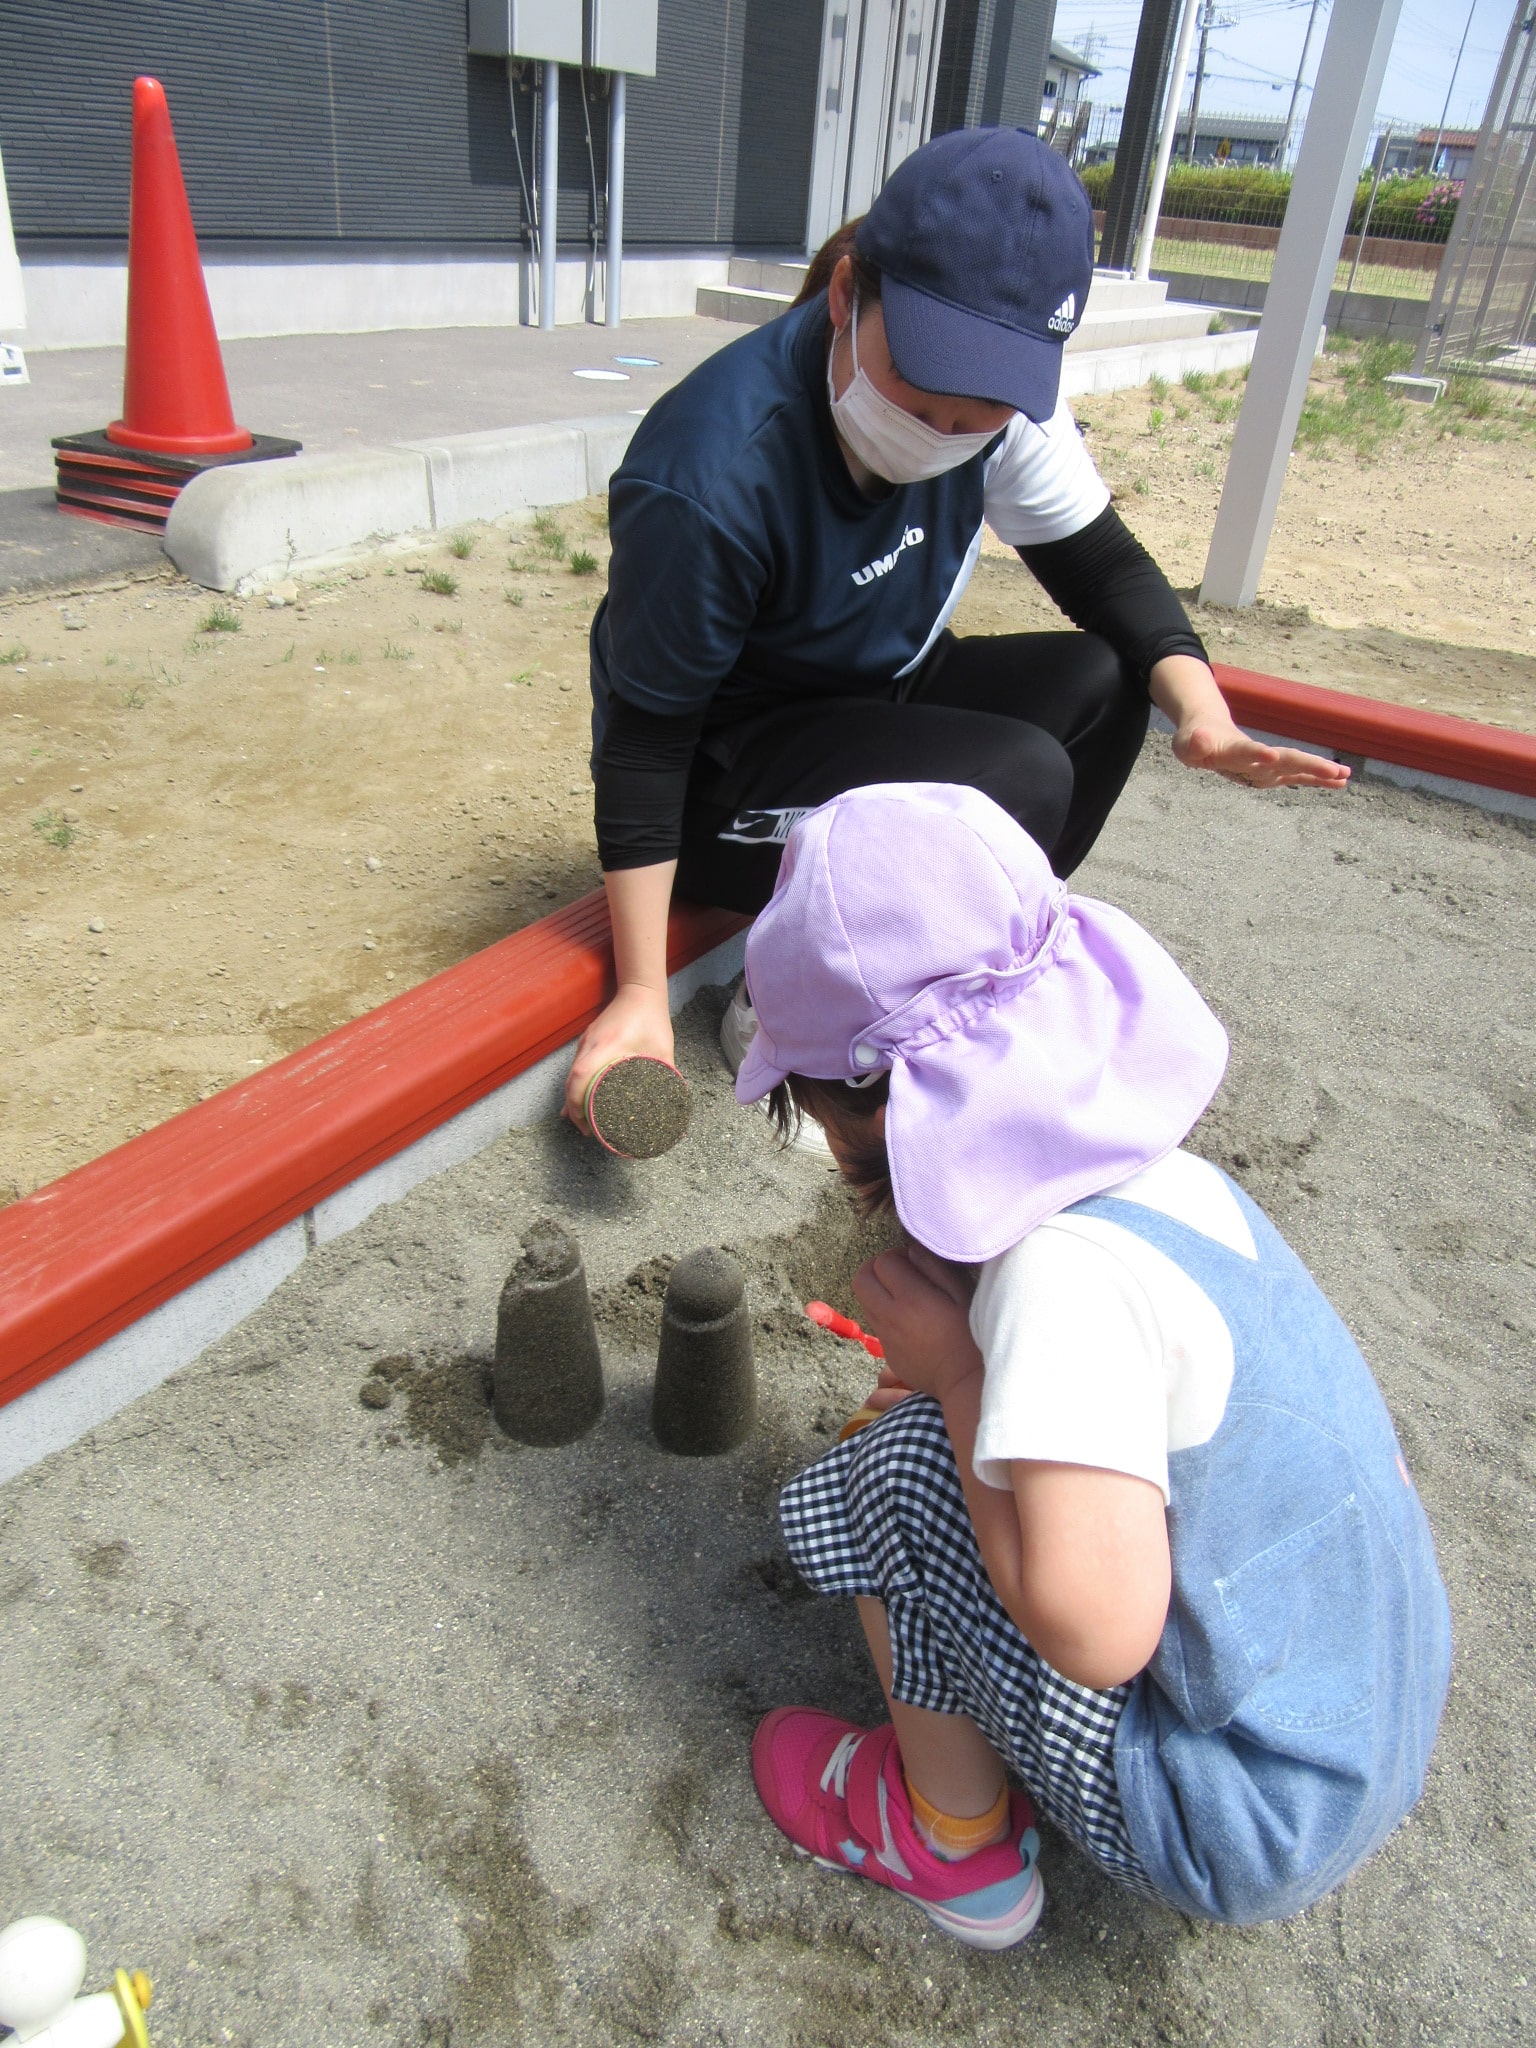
(1064, 319)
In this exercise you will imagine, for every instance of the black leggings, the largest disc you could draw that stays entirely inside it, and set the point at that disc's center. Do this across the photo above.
(1046, 724)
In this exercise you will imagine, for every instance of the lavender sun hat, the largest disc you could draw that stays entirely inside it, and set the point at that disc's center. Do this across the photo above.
(1041, 1046)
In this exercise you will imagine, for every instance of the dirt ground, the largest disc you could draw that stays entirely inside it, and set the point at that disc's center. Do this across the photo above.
(226, 827)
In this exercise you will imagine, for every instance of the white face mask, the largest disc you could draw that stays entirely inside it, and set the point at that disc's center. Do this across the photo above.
(889, 441)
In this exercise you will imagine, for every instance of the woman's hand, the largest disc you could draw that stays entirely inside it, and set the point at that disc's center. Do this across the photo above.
(919, 1308)
(1207, 736)
(637, 1021)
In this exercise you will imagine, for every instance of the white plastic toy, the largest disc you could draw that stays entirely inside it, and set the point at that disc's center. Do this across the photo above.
(42, 1966)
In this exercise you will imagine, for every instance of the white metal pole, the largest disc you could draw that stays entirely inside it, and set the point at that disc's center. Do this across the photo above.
(549, 196)
(1349, 76)
(1175, 93)
(13, 299)
(615, 292)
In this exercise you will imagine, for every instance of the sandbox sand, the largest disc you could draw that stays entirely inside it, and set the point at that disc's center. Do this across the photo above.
(362, 1725)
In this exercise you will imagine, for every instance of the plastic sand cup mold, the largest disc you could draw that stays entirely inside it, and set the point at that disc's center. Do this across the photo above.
(638, 1107)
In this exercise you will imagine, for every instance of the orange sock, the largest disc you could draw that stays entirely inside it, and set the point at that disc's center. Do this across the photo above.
(953, 1837)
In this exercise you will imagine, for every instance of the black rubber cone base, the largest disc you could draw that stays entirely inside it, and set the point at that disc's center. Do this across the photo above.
(101, 479)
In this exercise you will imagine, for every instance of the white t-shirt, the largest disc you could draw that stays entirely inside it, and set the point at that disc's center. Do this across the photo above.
(1099, 1350)
(1041, 484)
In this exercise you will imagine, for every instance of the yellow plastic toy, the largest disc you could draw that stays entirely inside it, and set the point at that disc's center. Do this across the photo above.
(42, 1966)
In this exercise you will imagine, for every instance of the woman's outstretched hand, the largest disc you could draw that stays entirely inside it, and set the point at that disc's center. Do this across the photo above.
(1207, 736)
(636, 1022)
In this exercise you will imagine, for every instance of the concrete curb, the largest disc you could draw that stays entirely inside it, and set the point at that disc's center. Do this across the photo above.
(250, 523)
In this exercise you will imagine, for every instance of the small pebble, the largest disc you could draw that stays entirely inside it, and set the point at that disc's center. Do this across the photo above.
(376, 1393)
(72, 624)
(95, 925)
(77, 788)
(373, 863)
(275, 602)
(370, 945)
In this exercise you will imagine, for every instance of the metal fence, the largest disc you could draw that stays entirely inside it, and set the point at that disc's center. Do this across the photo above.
(1483, 315)
(1223, 219)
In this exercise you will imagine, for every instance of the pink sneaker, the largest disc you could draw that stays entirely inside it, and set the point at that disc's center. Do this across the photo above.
(837, 1791)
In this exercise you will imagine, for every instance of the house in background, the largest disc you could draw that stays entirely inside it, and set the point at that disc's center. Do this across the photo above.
(1230, 138)
(1442, 153)
(1061, 100)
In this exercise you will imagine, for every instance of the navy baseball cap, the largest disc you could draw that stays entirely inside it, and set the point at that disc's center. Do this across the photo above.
(984, 240)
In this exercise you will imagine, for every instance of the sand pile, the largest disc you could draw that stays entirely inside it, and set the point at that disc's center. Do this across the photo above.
(360, 1723)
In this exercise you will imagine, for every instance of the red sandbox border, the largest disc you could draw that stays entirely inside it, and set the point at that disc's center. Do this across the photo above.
(89, 1254)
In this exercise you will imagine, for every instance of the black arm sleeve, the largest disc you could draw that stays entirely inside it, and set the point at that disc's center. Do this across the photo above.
(642, 780)
(1107, 583)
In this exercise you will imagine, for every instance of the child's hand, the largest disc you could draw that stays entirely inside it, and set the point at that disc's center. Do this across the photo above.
(919, 1309)
(888, 1391)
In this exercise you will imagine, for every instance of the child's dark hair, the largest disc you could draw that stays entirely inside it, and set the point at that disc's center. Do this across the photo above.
(850, 1112)
(866, 275)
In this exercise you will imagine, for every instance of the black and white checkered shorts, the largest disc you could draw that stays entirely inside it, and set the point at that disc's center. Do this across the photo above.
(883, 1515)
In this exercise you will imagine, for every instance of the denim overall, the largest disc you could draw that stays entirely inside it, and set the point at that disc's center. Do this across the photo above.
(1284, 1726)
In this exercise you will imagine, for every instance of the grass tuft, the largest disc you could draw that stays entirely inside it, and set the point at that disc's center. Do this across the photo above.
(513, 596)
(220, 620)
(583, 563)
(1471, 396)
(1197, 381)
(394, 653)
(1365, 413)
(550, 534)
(440, 583)
(1158, 389)
(13, 657)
(462, 546)
(53, 829)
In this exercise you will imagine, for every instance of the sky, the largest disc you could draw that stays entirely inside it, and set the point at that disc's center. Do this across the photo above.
(1252, 63)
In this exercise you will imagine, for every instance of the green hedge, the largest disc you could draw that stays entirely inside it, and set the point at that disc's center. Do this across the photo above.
(1414, 209)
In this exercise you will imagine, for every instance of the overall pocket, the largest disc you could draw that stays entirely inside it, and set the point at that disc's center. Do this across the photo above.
(1304, 1611)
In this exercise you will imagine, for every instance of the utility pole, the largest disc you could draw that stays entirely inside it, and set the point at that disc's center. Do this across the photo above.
(1207, 23)
(1301, 72)
(1446, 109)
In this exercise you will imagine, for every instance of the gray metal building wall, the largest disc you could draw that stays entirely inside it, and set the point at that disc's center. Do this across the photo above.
(366, 120)
(992, 64)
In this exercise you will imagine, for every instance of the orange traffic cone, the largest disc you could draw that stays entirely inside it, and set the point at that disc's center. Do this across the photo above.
(175, 398)
(176, 418)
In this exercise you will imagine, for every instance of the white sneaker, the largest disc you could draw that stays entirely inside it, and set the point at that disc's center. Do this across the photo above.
(738, 1028)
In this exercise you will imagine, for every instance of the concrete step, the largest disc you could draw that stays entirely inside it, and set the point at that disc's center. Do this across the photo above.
(1114, 326)
(1084, 371)
(1147, 319)
(1115, 289)
(740, 302)
(767, 274)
